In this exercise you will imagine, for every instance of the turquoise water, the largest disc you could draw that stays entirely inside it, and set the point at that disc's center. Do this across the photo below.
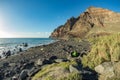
(13, 44)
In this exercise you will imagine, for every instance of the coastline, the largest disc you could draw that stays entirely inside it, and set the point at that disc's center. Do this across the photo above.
(59, 49)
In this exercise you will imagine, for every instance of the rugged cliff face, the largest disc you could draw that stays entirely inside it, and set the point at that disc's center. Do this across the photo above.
(94, 21)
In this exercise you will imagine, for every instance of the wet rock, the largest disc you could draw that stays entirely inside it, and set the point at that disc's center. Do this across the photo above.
(8, 53)
(20, 50)
(25, 44)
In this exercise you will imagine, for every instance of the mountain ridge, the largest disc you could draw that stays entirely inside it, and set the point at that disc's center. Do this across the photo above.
(93, 22)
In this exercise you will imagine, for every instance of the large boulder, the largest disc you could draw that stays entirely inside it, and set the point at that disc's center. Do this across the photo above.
(105, 67)
(108, 71)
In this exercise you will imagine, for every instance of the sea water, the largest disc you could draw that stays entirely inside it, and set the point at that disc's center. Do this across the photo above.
(14, 44)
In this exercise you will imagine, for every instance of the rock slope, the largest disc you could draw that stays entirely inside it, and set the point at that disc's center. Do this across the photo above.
(94, 20)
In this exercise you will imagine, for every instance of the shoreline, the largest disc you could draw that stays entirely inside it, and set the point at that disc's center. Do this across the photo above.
(21, 47)
(27, 50)
(59, 49)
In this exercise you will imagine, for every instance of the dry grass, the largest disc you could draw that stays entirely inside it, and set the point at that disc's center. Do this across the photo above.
(104, 48)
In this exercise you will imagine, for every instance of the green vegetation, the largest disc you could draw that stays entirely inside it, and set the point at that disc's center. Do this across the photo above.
(74, 54)
(104, 48)
(72, 76)
(57, 71)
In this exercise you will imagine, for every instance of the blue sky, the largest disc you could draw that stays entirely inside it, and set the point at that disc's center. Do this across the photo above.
(38, 18)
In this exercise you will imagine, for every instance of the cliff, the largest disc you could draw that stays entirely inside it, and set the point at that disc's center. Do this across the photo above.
(93, 22)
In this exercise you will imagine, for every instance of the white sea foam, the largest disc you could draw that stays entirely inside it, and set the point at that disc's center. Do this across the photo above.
(14, 44)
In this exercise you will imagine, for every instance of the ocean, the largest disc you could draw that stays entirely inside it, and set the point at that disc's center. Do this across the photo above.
(14, 44)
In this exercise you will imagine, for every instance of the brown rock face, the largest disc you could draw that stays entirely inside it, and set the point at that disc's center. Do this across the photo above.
(93, 21)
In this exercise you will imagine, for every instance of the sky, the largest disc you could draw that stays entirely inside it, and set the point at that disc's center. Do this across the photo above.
(38, 18)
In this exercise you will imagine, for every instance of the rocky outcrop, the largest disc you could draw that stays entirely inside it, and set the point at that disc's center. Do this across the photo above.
(62, 30)
(93, 20)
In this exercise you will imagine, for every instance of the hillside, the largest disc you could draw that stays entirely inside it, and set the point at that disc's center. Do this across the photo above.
(93, 22)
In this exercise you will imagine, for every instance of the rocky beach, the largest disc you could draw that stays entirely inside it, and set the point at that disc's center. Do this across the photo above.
(34, 58)
(87, 48)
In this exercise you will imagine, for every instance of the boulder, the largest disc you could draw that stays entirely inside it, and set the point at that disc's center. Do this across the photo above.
(23, 75)
(105, 67)
(108, 71)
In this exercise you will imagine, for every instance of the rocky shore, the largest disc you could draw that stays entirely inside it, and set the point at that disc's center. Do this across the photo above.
(97, 58)
(24, 65)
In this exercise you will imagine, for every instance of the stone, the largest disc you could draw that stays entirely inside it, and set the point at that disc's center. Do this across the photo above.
(6, 64)
(46, 61)
(27, 65)
(39, 62)
(52, 58)
(60, 60)
(104, 67)
(17, 69)
(108, 71)
(33, 71)
(23, 74)
(12, 64)
(14, 78)
(73, 69)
